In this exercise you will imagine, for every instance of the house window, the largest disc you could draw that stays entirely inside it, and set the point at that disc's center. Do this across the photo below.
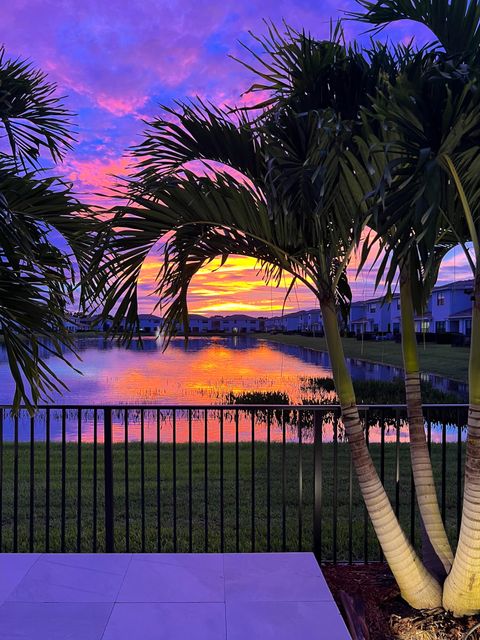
(398, 304)
(373, 308)
(440, 326)
(425, 326)
(468, 327)
(440, 299)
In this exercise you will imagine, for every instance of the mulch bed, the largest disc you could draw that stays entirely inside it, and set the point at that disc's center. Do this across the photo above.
(369, 595)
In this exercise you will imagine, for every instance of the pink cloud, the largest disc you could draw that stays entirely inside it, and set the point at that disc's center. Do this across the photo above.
(117, 60)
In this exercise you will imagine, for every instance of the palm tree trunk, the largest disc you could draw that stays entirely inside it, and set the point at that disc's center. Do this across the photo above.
(462, 586)
(417, 586)
(436, 546)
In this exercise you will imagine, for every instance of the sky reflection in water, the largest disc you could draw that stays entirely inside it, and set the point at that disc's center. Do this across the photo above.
(203, 373)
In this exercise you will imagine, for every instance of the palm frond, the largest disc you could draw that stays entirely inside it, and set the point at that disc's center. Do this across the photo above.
(425, 115)
(298, 70)
(454, 24)
(36, 278)
(31, 113)
(198, 219)
(196, 132)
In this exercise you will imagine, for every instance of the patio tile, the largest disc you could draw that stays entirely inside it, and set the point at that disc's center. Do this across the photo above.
(13, 567)
(106, 562)
(174, 578)
(293, 577)
(73, 578)
(48, 621)
(285, 621)
(167, 621)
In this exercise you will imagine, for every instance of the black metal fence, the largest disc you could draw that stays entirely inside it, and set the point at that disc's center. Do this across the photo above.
(212, 478)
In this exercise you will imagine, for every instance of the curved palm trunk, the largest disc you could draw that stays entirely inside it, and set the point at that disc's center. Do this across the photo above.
(462, 587)
(436, 545)
(417, 586)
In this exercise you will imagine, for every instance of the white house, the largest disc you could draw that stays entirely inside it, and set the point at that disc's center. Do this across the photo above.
(370, 316)
(448, 309)
(72, 323)
(76, 324)
(150, 324)
(198, 324)
(298, 321)
(239, 323)
(277, 323)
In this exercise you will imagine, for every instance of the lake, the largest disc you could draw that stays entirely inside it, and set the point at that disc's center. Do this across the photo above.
(203, 373)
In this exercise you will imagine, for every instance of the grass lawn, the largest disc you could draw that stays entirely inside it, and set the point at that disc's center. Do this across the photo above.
(345, 521)
(444, 360)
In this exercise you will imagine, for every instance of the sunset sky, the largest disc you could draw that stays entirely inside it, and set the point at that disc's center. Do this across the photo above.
(116, 61)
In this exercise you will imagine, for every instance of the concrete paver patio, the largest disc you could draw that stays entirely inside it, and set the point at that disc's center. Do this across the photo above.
(281, 596)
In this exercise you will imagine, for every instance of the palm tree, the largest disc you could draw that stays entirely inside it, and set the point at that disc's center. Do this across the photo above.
(286, 189)
(446, 137)
(306, 83)
(37, 278)
(405, 245)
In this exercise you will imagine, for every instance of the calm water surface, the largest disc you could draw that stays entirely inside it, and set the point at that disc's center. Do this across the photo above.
(203, 373)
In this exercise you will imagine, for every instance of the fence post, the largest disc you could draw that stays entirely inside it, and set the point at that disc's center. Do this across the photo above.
(108, 471)
(317, 499)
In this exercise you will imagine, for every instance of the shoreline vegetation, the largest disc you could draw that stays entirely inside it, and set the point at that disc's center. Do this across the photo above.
(334, 483)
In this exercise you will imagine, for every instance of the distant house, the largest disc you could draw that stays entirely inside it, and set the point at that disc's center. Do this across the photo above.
(239, 323)
(77, 323)
(451, 307)
(448, 309)
(198, 324)
(296, 322)
(261, 324)
(150, 324)
(97, 323)
(215, 324)
(72, 323)
(275, 324)
(370, 316)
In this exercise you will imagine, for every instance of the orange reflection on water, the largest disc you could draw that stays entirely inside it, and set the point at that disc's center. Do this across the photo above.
(205, 374)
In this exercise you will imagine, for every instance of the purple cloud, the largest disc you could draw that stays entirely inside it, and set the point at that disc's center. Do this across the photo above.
(117, 61)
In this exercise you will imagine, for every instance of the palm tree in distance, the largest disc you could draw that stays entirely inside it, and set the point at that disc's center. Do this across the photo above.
(287, 189)
(37, 278)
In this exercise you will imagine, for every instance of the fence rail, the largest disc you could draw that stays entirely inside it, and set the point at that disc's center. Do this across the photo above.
(212, 478)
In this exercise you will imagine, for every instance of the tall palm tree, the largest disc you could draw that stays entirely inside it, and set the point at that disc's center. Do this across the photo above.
(296, 206)
(306, 81)
(447, 138)
(37, 278)
(405, 246)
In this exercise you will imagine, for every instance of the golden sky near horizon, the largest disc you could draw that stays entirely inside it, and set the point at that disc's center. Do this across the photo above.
(236, 287)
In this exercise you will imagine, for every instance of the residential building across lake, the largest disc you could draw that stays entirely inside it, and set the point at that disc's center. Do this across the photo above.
(448, 311)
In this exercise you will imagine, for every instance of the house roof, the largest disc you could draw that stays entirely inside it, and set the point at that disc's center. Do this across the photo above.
(466, 313)
(148, 316)
(461, 284)
(239, 316)
(302, 312)
(458, 285)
